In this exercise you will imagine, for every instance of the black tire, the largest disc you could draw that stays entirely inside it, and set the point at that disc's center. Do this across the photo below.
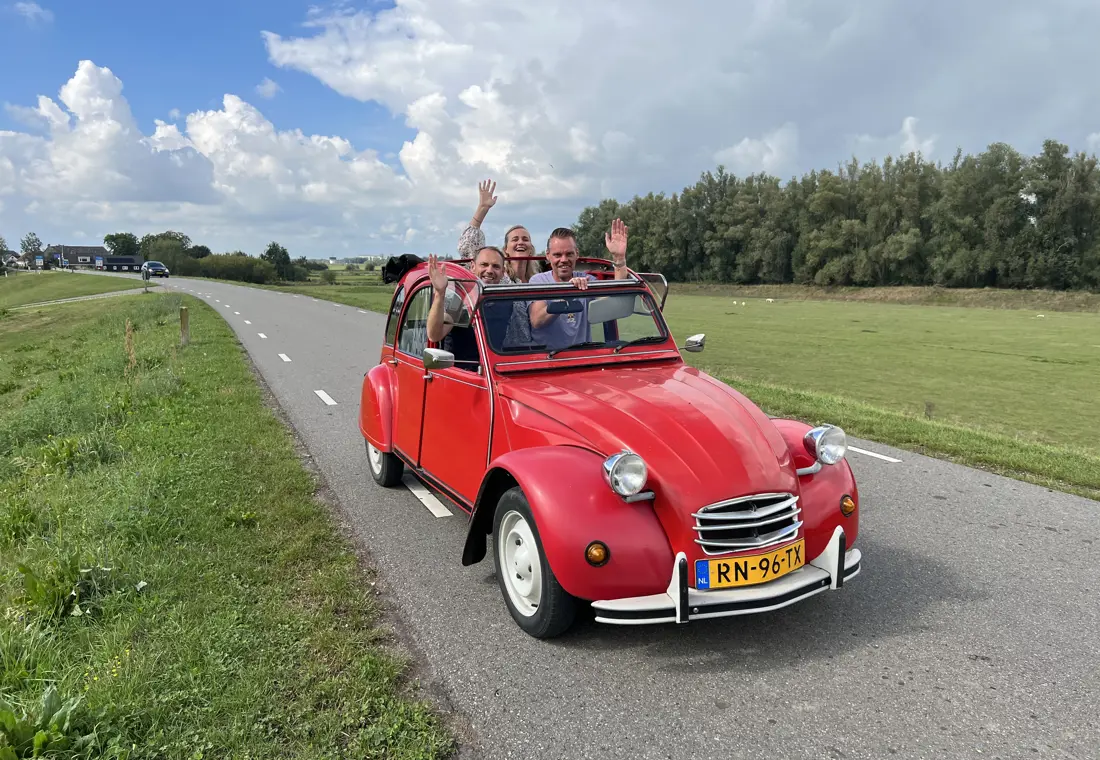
(555, 609)
(385, 468)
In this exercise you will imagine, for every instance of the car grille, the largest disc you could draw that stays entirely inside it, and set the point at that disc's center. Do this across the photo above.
(747, 522)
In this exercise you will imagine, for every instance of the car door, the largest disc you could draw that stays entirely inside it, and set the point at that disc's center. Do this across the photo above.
(412, 338)
(457, 415)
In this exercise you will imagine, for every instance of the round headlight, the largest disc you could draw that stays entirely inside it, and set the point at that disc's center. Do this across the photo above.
(828, 443)
(625, 472)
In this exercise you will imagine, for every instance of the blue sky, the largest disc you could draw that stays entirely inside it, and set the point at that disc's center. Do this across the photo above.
(388, 114)
(183, 56)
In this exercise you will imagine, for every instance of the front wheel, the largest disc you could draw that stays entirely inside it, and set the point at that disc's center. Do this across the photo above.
(386, 469)
(536, 600)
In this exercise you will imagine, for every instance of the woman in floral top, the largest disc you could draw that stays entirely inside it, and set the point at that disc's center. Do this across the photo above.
(517, 240)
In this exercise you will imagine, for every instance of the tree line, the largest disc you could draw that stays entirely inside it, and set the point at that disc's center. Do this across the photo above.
(999, 219)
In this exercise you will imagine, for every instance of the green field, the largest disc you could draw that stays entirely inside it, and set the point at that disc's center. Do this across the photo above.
(22, 288)
(168, 580)
(367, 294)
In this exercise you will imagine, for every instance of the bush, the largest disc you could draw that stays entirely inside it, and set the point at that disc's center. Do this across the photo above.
(328, 277)
(352, 268)
(240, 268)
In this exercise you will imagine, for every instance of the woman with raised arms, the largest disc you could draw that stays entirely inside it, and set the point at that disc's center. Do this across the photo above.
(517, 240)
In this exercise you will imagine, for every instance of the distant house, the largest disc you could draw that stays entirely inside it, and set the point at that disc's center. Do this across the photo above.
(82, 256)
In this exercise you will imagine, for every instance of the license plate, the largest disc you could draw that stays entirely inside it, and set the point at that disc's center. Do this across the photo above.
(748, 571)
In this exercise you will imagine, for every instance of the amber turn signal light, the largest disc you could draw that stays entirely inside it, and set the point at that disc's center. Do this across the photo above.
(597, 553)
(847, 506)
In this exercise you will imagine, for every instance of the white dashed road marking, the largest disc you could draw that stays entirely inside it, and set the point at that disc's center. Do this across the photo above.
(237, 312)
(262, 336)
(873, 454)
(426, 498)
(362, 312)
(247, 322)
(325, 397)
(284, 357)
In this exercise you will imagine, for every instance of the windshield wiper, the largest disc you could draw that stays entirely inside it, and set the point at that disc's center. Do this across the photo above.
(586, 344)
(639, 341)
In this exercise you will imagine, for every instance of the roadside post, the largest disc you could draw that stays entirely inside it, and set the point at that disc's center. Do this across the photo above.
(185, 326)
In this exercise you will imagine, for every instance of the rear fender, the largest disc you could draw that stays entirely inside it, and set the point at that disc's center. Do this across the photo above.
(573, 506)
(821, 492)
(376, 406)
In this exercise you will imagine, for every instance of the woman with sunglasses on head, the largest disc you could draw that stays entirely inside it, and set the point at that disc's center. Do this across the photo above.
(517, 240)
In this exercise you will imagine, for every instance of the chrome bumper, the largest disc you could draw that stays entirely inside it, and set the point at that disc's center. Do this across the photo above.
(681, 603)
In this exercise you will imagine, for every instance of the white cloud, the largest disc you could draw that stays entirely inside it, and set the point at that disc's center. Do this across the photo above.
(901, 143)
(1092, 142)
(174, 114)
(559, 102)
(267, 88)
(773, 153)
(33, 12)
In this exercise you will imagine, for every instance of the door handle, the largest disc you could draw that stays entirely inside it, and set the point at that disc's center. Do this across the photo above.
(427, 375)
(391, 362)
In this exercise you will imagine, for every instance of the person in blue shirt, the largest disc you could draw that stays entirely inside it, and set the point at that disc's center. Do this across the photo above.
(557, 331)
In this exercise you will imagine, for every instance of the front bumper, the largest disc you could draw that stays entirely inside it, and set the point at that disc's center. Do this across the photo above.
(681, 603)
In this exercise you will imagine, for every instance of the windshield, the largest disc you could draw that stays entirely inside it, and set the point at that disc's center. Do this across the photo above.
(581, 319)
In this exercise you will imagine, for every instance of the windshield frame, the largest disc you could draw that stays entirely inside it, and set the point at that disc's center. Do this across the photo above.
(632, 286)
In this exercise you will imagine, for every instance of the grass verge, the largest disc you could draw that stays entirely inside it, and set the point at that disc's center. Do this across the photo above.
(1059, 467)
(22, 288)
(170, 587)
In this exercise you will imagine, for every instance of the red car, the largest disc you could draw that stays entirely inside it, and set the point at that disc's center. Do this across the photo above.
(610, 472)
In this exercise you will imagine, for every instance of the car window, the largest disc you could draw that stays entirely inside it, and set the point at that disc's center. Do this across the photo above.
(412, 338)
(596, 319)
(395, 312)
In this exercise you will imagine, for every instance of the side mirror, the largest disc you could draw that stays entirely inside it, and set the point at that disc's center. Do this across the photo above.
(437, 358)
(695, 343)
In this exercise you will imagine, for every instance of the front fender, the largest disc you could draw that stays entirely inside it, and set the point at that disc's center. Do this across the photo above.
(376, 406)
(821, 492)
(573, 506)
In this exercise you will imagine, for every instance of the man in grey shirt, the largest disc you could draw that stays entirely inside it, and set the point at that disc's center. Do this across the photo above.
(556, 331)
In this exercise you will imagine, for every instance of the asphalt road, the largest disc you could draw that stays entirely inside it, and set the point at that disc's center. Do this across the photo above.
(973, 630)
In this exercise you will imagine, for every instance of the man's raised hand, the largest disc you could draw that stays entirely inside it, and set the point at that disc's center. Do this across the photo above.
(616, 242)
(436, 274)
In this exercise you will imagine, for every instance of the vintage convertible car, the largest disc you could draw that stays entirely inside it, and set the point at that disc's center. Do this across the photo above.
(608, 472)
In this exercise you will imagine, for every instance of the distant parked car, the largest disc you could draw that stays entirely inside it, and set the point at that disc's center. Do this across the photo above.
(155, 268)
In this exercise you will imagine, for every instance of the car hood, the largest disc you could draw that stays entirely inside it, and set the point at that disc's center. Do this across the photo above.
(702, 441)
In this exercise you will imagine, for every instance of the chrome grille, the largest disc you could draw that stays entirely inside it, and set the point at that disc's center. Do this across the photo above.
(747, 522)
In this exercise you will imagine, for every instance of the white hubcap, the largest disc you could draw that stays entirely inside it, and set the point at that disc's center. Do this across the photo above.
(521, 565)
(375, 457)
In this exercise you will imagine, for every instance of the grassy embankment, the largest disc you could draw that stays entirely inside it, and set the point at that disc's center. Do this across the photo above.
(170, 587)
(20, 288)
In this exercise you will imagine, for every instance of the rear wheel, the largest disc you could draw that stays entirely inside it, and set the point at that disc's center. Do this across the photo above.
(538, 603)
(386, 468)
